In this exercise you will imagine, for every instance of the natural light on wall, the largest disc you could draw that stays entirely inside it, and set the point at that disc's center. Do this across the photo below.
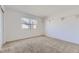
(28, 23)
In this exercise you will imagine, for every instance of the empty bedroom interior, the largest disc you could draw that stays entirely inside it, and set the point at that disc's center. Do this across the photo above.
(39, 28)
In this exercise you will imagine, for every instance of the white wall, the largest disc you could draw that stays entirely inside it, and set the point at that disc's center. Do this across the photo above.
(67, 29)
(13, 29)
(1, 28)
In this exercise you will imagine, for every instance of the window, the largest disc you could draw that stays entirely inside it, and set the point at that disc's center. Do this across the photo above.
(28, 23)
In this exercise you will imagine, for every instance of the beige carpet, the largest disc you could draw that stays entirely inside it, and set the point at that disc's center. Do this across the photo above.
(39, 45)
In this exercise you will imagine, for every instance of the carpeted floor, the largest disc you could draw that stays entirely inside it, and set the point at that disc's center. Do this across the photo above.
(40, 44)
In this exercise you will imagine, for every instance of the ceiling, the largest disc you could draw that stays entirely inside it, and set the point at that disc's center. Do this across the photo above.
(43, 10)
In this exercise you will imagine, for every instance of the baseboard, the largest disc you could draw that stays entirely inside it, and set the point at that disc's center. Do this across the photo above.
(24, 39)
(58, 39)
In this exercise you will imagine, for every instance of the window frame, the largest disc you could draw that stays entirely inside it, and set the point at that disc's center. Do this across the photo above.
(30, 23)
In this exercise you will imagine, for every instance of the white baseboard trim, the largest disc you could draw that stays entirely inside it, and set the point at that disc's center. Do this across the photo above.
(24, 38)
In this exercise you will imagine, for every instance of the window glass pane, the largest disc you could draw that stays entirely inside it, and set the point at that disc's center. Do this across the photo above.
(26, 20)
(34, 26)
(33, 21)
(25, 26)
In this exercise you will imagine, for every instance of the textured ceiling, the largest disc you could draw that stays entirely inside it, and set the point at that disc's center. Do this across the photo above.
(43, 10)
